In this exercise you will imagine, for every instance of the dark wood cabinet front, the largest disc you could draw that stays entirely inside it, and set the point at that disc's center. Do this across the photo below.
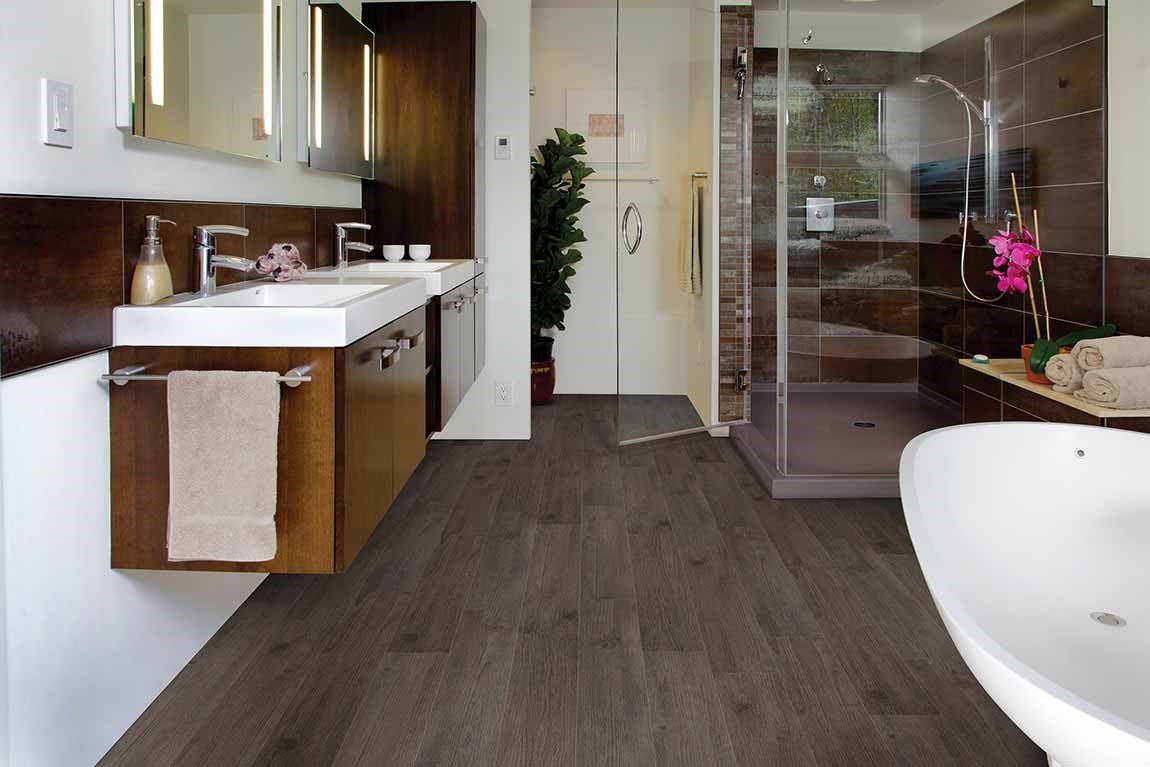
(429, 131)
(349, 440)
(365, 445)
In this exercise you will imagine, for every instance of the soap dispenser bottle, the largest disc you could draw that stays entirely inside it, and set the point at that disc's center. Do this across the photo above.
(152, 279)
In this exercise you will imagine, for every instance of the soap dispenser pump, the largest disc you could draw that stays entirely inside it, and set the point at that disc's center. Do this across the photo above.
(152, 279)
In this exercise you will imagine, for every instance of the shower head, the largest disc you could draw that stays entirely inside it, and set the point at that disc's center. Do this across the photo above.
(979, 111)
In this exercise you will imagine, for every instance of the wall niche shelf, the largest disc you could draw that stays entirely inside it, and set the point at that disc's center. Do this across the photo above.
(1012, 372)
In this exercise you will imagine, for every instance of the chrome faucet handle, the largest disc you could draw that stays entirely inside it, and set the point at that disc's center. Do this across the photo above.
(206, 235)
(352, 225)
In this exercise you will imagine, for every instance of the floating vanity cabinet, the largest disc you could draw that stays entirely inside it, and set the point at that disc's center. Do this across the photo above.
(348, 441)
(459, 324)
(429, 127)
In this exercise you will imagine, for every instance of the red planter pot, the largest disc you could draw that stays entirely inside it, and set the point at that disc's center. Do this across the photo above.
(542, 382)
(1037, 378)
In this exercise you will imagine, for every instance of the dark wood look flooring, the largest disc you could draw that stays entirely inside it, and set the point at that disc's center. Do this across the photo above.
(563, 602)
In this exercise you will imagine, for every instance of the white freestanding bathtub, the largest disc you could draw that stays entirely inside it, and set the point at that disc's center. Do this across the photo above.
(1035, 541)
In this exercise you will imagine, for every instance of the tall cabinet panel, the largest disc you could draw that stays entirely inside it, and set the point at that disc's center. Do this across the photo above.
(429, 127)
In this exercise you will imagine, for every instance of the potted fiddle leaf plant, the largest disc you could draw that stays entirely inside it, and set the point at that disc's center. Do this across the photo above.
(557, 176)
(1018, 259)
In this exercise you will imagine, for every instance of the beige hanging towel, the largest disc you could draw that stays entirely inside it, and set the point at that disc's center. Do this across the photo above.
(223, 428)
(691, 239)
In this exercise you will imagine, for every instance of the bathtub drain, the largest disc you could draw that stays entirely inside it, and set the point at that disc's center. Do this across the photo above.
(1109, 619)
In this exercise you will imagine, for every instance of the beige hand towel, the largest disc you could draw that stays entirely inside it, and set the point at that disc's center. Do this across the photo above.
(223, 428)
(691, 239)
(1064, 373)
(1121, 388)
(1116, 352)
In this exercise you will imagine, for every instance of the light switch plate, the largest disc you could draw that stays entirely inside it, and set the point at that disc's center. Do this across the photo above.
(502, 147)
(820, 214)
(57, 113)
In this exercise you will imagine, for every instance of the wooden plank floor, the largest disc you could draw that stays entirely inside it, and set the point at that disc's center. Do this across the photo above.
(561, 602)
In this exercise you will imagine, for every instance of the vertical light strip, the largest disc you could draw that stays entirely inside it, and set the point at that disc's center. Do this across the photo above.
(268, 58)
(317, 77)
(132, 52)
(367, 103)
(156, 50)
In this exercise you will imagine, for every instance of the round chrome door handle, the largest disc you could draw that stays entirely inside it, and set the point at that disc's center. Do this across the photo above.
(632, 247)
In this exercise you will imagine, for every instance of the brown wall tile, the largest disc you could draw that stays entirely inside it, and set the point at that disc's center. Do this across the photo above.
(1066, 83)
(868, 264)
(1071, 150)
(940, 319)
(877, 359)
(270, 224)
(866, 312)
(940, 373)
(1055, 24)
(992, 331)
(1128, 294)
(178, 238)
(1011, 413)
(978, 408)
(1073, 218)
(1044, 407)
(61, 272)
(1009, 45)
(1074, 287)
(982, 383)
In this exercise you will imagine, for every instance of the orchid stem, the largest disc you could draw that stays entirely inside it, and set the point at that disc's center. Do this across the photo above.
(1029, 282)
(1042, 276)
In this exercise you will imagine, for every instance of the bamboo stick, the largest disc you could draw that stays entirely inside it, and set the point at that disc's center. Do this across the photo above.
(1029, 282)
(1042, 276)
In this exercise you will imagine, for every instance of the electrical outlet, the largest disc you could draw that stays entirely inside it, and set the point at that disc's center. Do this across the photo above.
(504, 394)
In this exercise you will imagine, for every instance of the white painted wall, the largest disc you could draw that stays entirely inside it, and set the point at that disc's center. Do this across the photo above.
(71, 40)
(508, 233)
(89, 648)
(1129, 71)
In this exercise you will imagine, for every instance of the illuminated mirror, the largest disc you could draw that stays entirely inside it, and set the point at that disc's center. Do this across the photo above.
(206, 73)
(340, 108)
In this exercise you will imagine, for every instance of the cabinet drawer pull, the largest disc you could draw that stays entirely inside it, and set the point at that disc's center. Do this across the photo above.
(387, 358)
(407, 342)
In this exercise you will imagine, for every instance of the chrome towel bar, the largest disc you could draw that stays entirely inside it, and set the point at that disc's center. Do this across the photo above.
(124, 376)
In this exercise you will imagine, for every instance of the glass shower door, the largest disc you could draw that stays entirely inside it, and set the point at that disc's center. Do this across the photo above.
(667, 270)
(849, 342)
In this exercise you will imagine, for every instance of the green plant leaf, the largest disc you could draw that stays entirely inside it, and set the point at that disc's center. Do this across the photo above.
(1043, 350)
(1105, 331)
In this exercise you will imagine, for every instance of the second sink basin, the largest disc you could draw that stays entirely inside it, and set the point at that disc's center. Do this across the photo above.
(440, 276)
(315, 313)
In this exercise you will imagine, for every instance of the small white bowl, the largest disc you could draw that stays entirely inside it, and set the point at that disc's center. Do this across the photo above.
(419, 252)
(393, 252)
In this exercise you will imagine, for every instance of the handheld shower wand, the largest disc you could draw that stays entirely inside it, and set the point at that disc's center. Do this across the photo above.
(972, 110)
(979, 111)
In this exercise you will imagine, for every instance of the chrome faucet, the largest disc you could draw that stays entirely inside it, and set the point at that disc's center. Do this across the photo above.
(207, 261)
(343, 245)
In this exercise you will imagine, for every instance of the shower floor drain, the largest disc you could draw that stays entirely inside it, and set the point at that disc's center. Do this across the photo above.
(864, 425)
(1109, 619)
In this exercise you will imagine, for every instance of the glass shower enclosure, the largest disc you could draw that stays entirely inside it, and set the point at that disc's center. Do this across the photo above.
(861, 207)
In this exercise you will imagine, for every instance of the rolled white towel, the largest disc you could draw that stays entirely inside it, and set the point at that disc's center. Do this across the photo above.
(1064, 373)
(1110, 353)
(1120, 388)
